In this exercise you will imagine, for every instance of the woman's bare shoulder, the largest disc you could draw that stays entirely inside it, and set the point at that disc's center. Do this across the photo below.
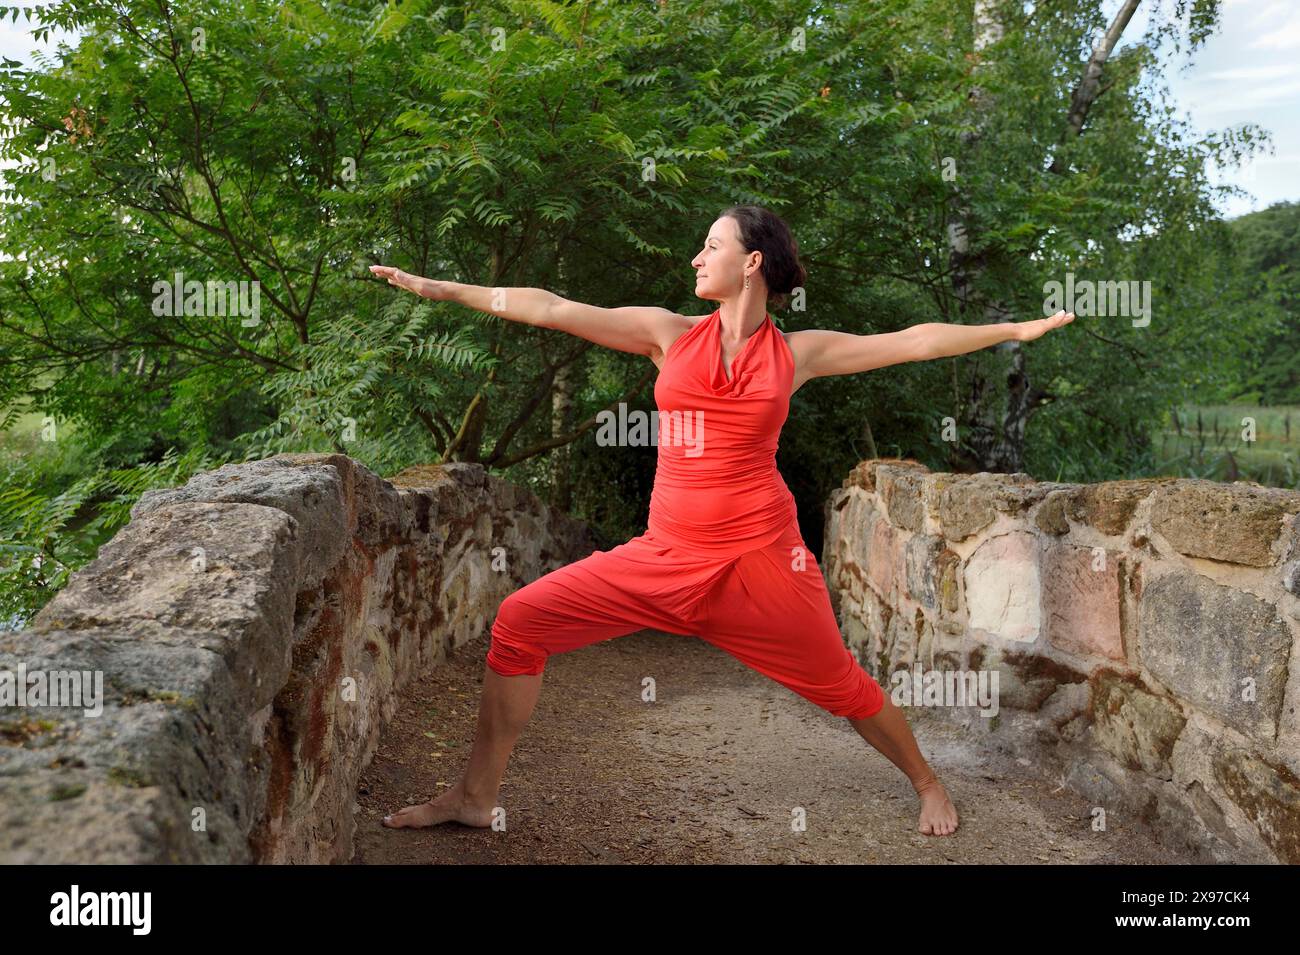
(800, 339)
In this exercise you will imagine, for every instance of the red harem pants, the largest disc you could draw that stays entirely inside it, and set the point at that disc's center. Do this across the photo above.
(768, 608)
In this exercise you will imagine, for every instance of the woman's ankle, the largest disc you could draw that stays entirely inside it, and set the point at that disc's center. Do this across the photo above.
(477, 797)
(925, 781)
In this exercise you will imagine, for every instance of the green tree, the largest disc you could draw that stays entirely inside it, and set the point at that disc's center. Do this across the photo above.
(585, 148)
(1267, 254)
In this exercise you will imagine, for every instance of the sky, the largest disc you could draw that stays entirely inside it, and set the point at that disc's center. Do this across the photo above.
(1248, 71)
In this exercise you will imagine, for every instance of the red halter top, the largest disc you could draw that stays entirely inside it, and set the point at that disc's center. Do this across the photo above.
(717, 491)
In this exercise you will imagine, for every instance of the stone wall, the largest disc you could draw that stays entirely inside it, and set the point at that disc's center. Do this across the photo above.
(254, 630)
(1143, 635)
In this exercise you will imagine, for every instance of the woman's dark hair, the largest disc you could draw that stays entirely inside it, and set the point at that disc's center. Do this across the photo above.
(762, 230)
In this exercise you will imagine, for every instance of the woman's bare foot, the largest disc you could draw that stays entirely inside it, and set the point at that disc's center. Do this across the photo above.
(450, 806)
(938, 814)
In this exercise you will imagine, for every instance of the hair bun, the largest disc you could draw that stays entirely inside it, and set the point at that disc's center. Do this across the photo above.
(762, 230)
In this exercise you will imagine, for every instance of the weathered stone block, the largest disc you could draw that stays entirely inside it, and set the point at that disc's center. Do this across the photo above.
(1002, 587)
(1109, 507)
(1239, 523)
(1139, 728)
(1204, 641)
(1081, 600)
(1269, 795)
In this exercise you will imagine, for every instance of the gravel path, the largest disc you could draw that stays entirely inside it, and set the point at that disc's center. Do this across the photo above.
(718, 769)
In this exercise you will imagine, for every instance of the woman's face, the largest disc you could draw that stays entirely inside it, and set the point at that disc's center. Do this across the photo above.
(720, 266)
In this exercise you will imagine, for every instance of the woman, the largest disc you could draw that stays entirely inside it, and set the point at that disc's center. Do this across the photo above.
(722, 557)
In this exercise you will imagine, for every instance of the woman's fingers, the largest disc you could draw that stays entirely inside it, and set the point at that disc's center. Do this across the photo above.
(1043, 325)
(395, 276)
(412, 283)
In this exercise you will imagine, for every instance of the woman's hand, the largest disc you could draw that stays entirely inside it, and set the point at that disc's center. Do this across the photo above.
(1028, 331)
(425, 288)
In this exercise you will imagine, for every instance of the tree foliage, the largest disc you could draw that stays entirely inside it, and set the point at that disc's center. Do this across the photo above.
(586, 147)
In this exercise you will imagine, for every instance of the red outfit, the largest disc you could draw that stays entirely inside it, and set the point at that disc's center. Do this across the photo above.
(722, 557)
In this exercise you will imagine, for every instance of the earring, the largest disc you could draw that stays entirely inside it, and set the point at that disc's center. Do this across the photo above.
(746, 281)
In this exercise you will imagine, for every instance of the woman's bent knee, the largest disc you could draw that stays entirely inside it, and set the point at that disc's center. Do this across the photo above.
(508, 661)
(871, 702)
(511, 652)
(858, 697)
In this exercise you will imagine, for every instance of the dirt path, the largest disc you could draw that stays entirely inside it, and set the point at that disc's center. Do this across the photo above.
(713, 771)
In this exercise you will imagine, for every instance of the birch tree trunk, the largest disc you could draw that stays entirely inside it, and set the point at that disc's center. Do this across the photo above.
(561, 473)
(993, 425)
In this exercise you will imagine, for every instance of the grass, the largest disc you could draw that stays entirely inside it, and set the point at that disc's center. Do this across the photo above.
(1234, 442)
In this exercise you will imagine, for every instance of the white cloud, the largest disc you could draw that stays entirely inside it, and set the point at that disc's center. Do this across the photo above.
(1236, 100)
(1252, 73)
(1283, 37)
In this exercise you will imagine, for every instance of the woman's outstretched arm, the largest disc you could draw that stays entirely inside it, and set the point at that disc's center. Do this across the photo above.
(640, 329)
(820, 352)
